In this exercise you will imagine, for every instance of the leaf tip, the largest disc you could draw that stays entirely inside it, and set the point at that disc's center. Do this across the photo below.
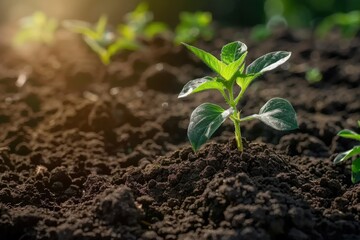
(181, 95)
(194, 148)
(185, 44)
(339, 157)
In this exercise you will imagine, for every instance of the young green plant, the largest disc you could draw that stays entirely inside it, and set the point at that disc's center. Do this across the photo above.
(355, 164)
(36, 28)
(193, 26)
(347, 23)
(102, 41)
(139, 24)
(313, 75)
(230, 70)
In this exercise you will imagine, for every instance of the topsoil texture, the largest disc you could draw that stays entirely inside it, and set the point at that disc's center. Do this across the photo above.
(94, 152)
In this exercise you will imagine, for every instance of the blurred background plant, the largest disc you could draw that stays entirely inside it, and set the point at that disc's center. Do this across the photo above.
(193, 26)
(313, 75)
(36, 28)
(264, 14)
(347, 23)
(139, 24)
(104, 42)
(305, 13)
(182, 20)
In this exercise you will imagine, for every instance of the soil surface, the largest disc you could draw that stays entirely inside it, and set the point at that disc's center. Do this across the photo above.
(95, 152)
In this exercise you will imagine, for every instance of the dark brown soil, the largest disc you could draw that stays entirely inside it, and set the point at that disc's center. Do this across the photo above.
(94, 152)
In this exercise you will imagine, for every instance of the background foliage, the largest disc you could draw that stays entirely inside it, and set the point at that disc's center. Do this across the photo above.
(304, 13)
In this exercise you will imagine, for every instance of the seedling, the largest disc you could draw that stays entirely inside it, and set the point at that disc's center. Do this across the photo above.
(277, 113)
(101, 40)
(348, 23)
(139, 23)
(193, 26)
(313, 75)
(36, 28)
(260, 33)
(355, 165)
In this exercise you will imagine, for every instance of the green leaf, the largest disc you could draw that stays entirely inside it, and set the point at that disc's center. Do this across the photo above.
(100, 51)
(226, 71)
(244, 80)
(139, 12)
(349, 134)
(127, 32)
(154, 29)
(346, 155)
(200, 84)
(204, 121)
(122, 44)
(193, 26)
(39, 18)
(81, 27)
(268, 62)
(230, 70)
(359, 123)
(101, 25)
(232, 51)
(355, 170)
(279, 114)
(211, 61)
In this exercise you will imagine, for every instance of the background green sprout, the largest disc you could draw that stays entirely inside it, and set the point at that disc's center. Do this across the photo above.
(347, 23)
(355, 164)
(36, 28)
(260, 33)
(100, 39)
(207, 118)
(194, 26)
(313, 75)
(139, 23)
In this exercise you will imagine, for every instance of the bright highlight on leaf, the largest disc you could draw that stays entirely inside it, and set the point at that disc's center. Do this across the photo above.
(346, 155)
(205, 119)
(232, 51)
(201, 84)
(268, 62)
(278, 114)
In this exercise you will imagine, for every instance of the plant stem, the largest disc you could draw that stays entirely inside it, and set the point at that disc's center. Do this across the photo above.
(235, 117)
(236, 120)
(248, 118)
(241, 93)
(225, 97)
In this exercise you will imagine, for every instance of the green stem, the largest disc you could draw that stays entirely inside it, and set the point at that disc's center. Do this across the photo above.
(224, 96)
(231, 95)
(248, 118)
(236, 116)
(236, 120)
(238, 98)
